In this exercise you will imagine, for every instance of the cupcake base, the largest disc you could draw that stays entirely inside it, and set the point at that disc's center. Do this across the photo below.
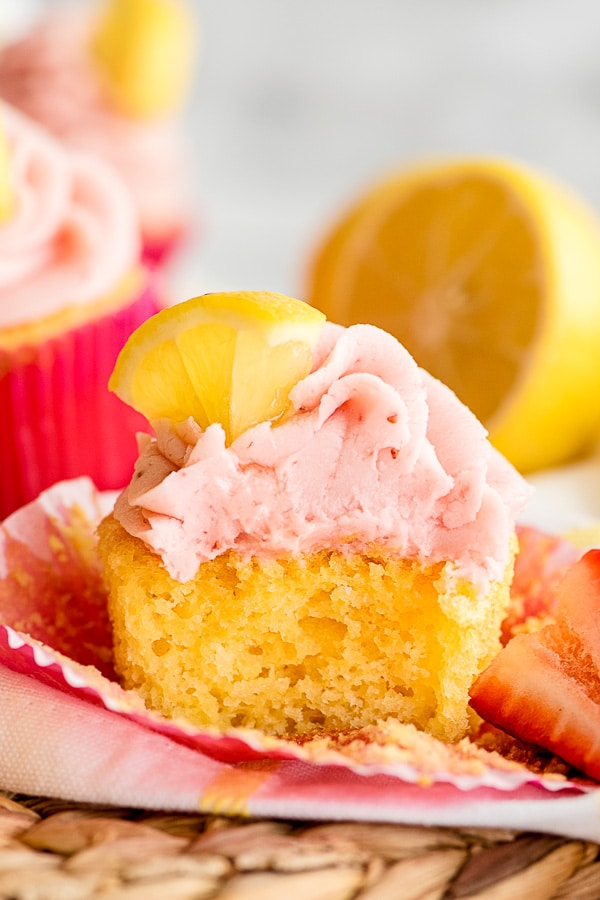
(59, 419)
(324, 642)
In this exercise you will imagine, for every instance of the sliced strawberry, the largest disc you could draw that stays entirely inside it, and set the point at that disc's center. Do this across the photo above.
(541, 562)
(544, 688)
(578, 610)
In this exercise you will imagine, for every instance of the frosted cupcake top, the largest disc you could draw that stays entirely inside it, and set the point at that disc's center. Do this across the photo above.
(50, 75)
(376, 452)
(71, 235)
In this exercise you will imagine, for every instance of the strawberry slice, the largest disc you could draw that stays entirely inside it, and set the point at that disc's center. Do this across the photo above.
(541, 562)
(544, 688)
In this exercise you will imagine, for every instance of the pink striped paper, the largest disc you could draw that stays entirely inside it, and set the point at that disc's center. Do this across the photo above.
(68, 729)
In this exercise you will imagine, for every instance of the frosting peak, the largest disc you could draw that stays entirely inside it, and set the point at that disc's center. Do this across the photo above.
(376, 452)
(72, 235)
(50, 75)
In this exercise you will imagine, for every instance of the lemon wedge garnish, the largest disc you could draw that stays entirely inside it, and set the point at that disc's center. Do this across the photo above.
(145, 50)
(489, 273)
(224, 357)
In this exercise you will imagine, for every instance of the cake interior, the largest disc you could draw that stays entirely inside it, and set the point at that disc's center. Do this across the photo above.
(323, 642)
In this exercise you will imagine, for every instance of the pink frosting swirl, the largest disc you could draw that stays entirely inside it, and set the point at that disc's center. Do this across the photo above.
(73, 234)
(375, 452)
(50, 75)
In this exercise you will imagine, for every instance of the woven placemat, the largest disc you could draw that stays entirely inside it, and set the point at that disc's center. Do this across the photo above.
(53, 850)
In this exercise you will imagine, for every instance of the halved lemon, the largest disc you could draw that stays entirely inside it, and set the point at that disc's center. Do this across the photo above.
(489, 273)
(145, 49)
(224, 357)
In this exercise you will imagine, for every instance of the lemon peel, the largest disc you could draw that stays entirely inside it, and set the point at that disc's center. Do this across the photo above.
(228, 357)
(489, 272)
(145, 50)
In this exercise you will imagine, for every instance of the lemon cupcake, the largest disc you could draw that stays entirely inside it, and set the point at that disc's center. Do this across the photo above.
(110, 79)
(71, 291)
(325, 541)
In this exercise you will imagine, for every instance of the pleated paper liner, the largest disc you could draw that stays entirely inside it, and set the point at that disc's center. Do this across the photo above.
(59, 420)
(55, 649)
(61, 850)
(159, 251)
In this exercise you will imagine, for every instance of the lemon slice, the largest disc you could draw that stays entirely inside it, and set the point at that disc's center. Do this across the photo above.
(145, 49)
(489, 273)
(224, 357)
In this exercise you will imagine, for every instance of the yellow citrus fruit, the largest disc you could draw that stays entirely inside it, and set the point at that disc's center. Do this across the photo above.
(145, 50)
(224, 357)
(489, 273)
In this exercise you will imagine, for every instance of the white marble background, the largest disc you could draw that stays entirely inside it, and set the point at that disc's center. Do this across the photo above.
(299, 105)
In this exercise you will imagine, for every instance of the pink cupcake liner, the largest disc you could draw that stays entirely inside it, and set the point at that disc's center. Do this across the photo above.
(157, 252)
(54, 630)
(60, 421)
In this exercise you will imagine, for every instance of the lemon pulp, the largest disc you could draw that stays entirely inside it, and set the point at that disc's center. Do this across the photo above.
(489, 273)
(224, 357)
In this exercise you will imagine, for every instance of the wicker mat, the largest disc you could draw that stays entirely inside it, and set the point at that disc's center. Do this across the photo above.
(52, 850)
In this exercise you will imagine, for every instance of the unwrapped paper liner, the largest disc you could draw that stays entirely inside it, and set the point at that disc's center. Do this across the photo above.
(67, 729)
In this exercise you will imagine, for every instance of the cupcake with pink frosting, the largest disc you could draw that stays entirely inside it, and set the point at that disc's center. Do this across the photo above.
(110, 79)
(72, 289)
(342, 563)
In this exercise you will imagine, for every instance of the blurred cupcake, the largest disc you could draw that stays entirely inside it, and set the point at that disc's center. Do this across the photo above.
(72, 289)
(111, 79)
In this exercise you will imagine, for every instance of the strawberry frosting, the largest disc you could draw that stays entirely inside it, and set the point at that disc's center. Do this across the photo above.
(72, 236)
(375, 452)
(50, 75)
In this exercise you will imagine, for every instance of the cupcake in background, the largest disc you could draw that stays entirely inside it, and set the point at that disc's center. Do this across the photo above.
(111, 78)
(72, 288)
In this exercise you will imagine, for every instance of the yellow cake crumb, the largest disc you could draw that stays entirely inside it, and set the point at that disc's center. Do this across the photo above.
(322, 642)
